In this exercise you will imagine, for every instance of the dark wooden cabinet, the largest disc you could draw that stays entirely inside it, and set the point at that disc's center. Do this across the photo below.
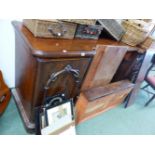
(33, 72)
(38, 58)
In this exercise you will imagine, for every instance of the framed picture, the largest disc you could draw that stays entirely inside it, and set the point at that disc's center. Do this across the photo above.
(60, 115)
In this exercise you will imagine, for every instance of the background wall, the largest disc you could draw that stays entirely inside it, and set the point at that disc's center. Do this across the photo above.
(7, 52)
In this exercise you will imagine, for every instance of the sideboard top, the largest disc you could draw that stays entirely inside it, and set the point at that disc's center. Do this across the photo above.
(43, 47)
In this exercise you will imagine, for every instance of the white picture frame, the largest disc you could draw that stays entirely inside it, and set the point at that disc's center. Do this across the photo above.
(59, 116)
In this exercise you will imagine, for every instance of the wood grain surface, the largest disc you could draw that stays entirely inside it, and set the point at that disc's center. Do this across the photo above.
(104, 65)
(97, 100)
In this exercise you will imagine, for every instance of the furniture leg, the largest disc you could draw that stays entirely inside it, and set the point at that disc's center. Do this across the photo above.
(148, 102)
(145, 86)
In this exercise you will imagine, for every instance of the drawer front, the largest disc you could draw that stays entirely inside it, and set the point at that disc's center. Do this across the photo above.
(51, 29)
(64, 82)
(88, 31)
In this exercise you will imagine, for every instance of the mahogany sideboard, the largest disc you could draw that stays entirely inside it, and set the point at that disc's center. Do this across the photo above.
(38, 58)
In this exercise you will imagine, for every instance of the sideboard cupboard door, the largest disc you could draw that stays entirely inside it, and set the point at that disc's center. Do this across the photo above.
(64, 83)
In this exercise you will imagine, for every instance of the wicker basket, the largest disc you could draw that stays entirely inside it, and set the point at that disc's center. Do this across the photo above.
(136, 32)
(50, 28)
(147, 20)
(149, 42)
(81, 21)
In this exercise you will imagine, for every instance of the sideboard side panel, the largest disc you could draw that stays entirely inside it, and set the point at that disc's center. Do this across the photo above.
(25, 71)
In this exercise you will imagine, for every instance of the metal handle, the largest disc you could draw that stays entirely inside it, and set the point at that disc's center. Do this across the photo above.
(89, 31)
(74, 72)
(58, 34)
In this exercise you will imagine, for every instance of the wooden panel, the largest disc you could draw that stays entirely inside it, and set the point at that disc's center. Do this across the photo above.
(97, 100)
(97, 92)
(102, 104)
(130, 67)
(104, 66)
(25, 71)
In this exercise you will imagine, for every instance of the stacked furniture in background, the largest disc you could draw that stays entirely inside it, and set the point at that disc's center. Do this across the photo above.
(64, 29)
(75, 28)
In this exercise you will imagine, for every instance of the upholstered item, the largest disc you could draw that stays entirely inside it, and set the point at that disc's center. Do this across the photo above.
(151, 80)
